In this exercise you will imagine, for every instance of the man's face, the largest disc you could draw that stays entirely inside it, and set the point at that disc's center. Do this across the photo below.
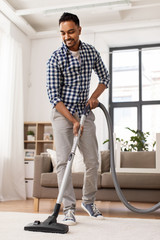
(70, 34)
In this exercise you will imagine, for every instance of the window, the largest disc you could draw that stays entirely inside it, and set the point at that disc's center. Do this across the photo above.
(125, 76)
(134, 90)
(151, 74)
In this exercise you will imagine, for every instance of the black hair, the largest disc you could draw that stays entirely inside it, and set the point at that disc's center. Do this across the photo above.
(69, 17)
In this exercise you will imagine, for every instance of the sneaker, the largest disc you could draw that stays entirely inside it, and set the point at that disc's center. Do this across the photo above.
(92, 210)
(69, 218)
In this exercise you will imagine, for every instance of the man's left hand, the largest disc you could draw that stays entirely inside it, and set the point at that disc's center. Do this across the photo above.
(93, 102)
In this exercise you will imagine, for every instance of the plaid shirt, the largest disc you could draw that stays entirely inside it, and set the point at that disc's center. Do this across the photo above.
(69, 81)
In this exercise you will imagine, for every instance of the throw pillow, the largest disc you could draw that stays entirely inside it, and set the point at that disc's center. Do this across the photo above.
(78, 164)
(53, 156)
(105, 161)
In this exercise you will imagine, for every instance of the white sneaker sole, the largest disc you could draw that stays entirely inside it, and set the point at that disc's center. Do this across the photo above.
(69, 223)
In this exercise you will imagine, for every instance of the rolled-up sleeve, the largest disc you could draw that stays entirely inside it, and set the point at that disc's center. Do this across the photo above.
(101, 70)
(53, 81)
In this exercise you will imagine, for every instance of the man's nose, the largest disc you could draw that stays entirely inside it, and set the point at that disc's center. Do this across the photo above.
(66, 36)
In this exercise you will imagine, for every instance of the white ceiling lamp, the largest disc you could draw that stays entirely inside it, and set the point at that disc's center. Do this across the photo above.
(110, 5)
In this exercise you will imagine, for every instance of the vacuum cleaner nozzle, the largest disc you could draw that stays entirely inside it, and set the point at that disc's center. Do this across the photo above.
(50, 225)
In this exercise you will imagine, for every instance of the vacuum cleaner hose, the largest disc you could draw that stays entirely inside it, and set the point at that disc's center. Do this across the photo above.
(114, 176)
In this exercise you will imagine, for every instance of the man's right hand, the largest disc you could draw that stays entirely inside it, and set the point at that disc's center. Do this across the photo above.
(76, 126)
(64, 111)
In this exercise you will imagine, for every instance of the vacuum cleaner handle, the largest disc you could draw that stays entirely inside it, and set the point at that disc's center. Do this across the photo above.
(86, 109)
(82, 120)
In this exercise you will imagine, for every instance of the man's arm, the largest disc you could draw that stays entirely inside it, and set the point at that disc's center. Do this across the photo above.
(104, 80)
(53, 86)
(64, 111)
(93, 101)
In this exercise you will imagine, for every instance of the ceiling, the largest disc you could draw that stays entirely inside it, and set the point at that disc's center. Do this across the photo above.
(39, 18)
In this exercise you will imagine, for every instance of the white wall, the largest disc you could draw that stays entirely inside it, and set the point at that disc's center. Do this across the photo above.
(38, 107)
(36, 53)
(139, 36)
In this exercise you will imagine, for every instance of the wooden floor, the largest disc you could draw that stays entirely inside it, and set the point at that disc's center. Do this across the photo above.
(108, 209)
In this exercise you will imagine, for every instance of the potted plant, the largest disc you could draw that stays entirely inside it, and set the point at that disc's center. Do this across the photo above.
(51, 137)
(30, 135)
(137, 142)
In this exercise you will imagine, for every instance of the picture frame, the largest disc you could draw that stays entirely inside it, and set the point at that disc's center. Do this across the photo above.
(29, 153)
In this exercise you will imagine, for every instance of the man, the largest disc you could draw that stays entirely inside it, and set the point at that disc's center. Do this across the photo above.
(68, 81)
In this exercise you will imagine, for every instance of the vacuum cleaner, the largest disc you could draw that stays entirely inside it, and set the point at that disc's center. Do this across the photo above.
(50, 224)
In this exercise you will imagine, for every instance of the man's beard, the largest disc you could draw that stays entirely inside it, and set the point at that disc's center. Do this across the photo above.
(69, 42)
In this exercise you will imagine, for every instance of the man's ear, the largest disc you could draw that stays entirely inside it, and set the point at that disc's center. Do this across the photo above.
(80, 29)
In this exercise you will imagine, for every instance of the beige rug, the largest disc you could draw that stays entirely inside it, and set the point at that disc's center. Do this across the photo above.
(12, 225)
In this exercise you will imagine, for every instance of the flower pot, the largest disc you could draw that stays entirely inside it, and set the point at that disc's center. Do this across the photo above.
(30, 138)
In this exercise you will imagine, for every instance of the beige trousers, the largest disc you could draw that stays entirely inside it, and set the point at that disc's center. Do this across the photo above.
(63, 139)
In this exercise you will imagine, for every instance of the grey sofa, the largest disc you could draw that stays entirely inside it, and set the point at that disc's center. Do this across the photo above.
(137, 187)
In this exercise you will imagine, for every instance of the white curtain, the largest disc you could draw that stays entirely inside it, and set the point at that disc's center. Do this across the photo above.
(12, 184)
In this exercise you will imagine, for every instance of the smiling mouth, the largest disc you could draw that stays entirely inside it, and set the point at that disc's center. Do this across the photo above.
(68, 41)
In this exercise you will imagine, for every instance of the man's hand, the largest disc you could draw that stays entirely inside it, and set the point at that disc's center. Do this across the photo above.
(93, 102)
(76, 126)
(64, 111)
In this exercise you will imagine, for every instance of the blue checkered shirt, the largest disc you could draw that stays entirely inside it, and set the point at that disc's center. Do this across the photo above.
(69, 81)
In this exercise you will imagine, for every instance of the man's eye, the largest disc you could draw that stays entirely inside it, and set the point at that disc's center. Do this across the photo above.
(71, 32)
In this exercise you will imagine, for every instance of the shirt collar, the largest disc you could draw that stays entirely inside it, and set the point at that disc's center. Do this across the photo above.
(67, 50)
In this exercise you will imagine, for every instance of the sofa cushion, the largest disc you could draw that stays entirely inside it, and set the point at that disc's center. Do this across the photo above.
(105, 161)
(50, 180)
(133, 180)
(138, 159)
(77, 179)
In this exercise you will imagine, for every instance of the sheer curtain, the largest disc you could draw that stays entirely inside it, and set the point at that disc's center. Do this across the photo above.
(12, 184)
